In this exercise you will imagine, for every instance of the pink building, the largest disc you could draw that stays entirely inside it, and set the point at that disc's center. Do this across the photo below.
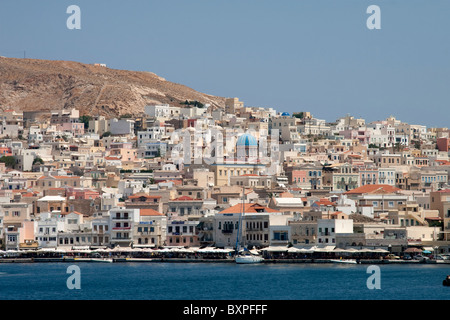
(125, 154)
(361, 134)
(182, 233)
(83, 194)
(443, 144)
(299, 177)
(368, 176)
(76, 128)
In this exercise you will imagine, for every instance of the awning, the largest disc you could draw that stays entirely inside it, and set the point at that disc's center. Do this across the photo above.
(59, 250)
(76, 248)
(324, 249)
(381, 250)
(143, 246)
(350, 250)
(275, 249)
(413, 250)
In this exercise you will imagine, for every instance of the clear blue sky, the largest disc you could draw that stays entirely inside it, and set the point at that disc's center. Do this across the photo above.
(292, 55)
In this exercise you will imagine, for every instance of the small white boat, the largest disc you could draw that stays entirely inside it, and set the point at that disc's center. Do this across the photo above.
(248, 258)
(78, 259)
(109, 260)
(349, 261)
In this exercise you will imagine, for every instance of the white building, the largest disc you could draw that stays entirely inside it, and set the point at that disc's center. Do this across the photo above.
(329, 228)
(46, 229)
(162, 111)
(122, 127)
(386, 176)
(121, 225)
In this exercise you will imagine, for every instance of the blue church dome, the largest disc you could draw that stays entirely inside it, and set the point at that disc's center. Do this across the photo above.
(247, 140)
(285, 114)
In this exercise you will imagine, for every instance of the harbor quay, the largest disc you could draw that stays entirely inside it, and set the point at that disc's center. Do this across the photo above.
(153, 193)
(283, 255)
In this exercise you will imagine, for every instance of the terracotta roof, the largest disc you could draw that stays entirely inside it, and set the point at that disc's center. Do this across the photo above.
(286, 195)
(444, 191)
(149, 212)
(248, 208)
(60, 177)
(185, 198)
(374, 188)
(76, 212)
(137, 196)
(324, 202)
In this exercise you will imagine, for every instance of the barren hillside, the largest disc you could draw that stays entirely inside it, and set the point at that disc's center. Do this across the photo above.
(28, 84)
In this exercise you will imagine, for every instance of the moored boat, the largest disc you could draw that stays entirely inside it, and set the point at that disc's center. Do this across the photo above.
(349, 261)
(248, 258)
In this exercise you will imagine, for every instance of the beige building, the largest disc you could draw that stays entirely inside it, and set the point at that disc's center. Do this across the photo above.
(255, 226)
(151, 229)
(233, 105)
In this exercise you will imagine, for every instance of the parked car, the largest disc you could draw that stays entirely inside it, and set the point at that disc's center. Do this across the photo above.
(391, 256)
(407, 257)
(421, 257)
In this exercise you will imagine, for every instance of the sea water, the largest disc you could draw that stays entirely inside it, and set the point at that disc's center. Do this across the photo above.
(221, 281)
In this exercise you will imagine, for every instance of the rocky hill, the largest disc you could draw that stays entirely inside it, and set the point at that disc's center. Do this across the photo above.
(32, 85)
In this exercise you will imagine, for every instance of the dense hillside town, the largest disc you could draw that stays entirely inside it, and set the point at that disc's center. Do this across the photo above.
(183, 175)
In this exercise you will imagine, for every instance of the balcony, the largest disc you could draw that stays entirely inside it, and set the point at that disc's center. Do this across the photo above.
(121, 228)
(227, 231)
(121, 239)
(255, 229)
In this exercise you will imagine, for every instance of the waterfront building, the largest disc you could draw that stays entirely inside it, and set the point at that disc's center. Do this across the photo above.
(151, 229)
(254, 222)
(47, 227)
(182, 232)
(121, 226)
(328, 229)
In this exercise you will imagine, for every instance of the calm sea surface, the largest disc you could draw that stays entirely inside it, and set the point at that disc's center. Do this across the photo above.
(220, 281)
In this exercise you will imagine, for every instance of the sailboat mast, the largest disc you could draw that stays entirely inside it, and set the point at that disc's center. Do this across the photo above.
(240, 220)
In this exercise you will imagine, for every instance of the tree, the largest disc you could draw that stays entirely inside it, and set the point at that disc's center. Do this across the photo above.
(298, 115)
(106, 134)
(38, 160)
(9, 161)
(85, 119)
